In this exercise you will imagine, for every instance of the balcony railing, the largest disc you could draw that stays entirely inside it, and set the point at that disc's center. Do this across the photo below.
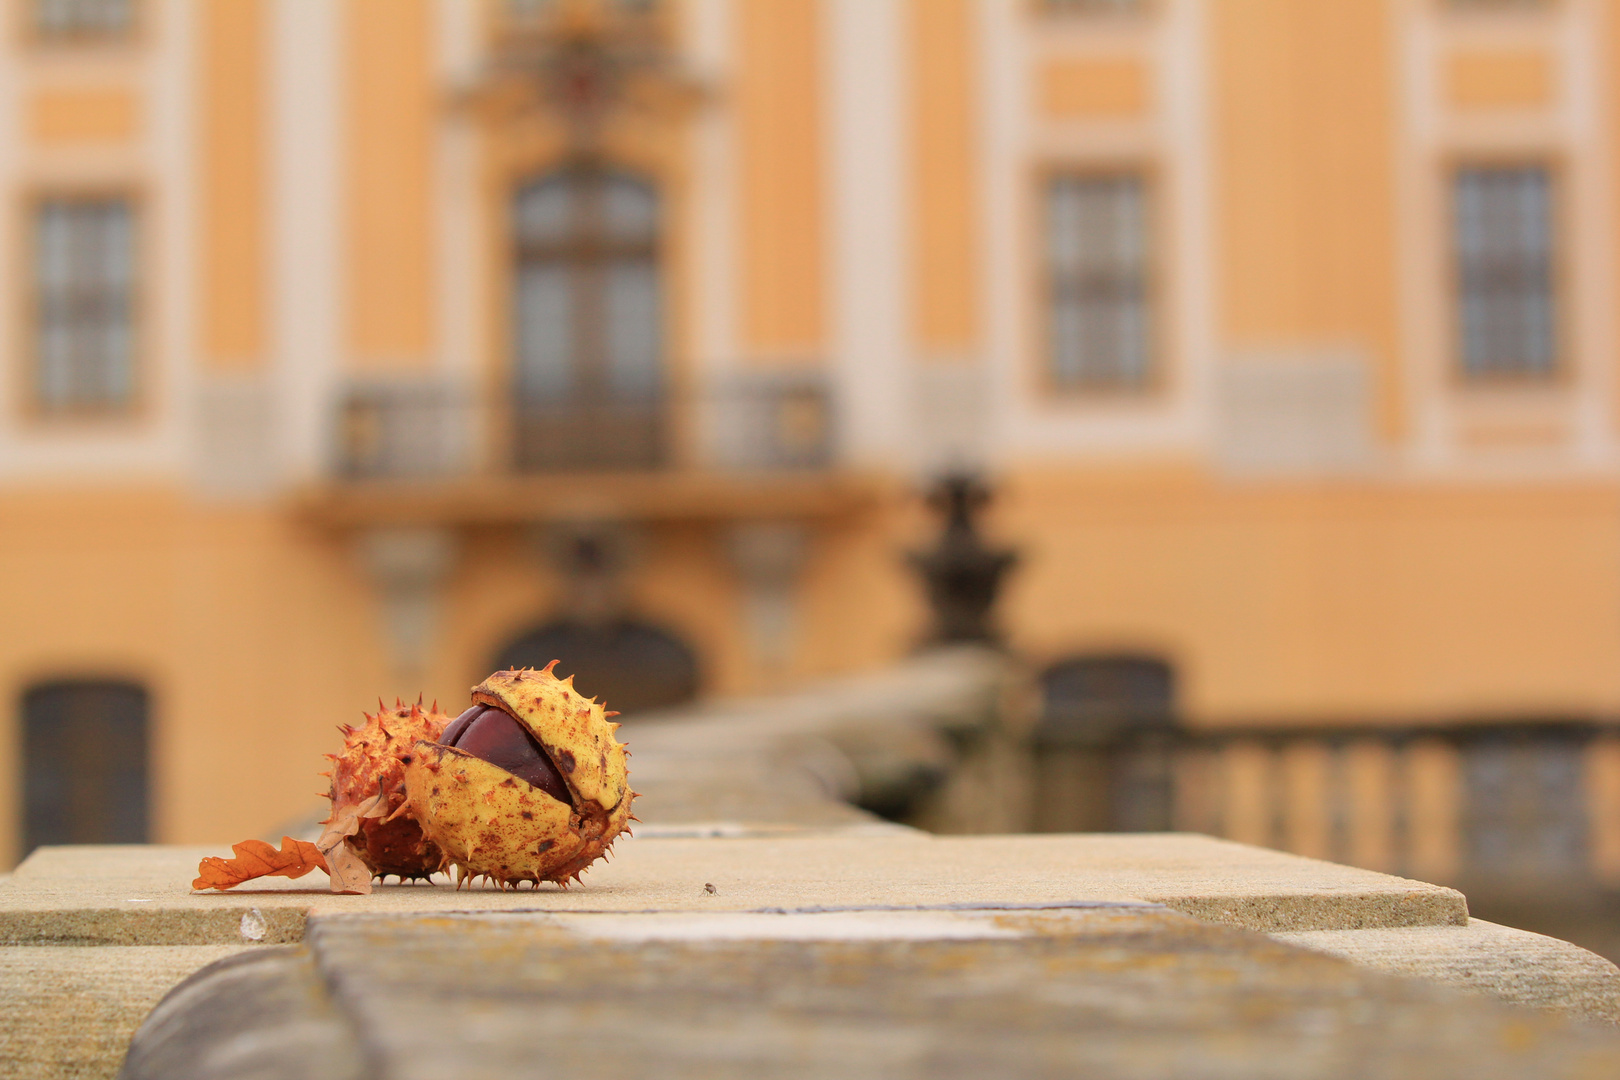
(422, 429)
(1482, 802)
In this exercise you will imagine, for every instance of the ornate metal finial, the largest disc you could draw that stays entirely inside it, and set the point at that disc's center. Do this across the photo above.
(961, 574)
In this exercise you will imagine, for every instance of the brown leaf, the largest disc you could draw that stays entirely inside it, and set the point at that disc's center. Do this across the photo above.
(348, 871)
(256, 859)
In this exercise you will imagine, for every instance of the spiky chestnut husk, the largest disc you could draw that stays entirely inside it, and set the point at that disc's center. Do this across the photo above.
(491, 823)
(370, 763)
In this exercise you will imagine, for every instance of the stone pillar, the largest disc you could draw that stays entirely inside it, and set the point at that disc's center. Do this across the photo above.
(408, 564)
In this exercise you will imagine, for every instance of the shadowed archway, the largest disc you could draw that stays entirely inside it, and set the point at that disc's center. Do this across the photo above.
(630, 665)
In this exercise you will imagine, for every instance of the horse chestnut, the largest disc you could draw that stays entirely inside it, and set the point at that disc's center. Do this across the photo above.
(529, 784)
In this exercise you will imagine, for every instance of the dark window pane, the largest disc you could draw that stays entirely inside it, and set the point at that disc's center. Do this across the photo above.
(1097, 272)
(525, 11)
(85, 764)
(1090, 7)
(588, 324)
(1107, 692)
(83, 18)
(1497, 5)
(84, 281)
(1504, 255)
(1103, 752)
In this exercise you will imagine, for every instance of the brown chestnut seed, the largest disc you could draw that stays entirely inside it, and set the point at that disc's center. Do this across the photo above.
(503, 742)
(453, 730)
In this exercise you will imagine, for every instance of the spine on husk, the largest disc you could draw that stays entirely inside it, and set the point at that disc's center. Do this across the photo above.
(487, 822)
(368, 768)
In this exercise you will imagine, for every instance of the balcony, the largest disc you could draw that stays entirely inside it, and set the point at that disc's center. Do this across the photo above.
(429, 451)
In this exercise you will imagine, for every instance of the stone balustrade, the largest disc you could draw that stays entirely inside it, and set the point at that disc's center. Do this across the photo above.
(759, 923)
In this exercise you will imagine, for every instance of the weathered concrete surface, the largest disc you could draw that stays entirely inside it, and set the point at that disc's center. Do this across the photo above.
(1128, 991)
(71, 1010)
(260, 1013)
(142, 895)
(1513, 965)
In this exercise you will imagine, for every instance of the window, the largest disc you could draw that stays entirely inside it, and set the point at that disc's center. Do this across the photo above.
(83, 18)
(531, 10)
(84, 283)
(1103, 745)
(588, 322)
(1503, 232)
(1097, 696)
(1089, 7)
(1495, 5)
(1098, 281)
(84, 765)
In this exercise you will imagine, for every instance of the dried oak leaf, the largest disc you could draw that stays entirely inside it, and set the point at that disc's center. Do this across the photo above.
(349, 872)
(256, 859)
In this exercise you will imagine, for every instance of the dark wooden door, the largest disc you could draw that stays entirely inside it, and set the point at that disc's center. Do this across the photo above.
(85, 774)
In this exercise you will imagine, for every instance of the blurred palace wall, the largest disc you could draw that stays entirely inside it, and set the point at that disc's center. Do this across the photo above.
(357, 346)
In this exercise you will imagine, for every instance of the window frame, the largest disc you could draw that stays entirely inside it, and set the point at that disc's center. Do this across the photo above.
(1156, 288)
(31, 33)
(589, 254)
(1058, 10)
(1495, 9)
(1560, 372)
(32, 407)
(668, 441)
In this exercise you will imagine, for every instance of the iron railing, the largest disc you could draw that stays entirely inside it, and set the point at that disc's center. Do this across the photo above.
(423, 429)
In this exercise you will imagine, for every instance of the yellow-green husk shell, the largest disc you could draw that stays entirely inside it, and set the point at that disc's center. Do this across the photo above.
(489, 823)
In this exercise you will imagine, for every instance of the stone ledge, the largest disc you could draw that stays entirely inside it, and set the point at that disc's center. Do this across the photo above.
(865, 882)
(1127, 991)
(1513, 965)
(70, 1011)
(142, 896)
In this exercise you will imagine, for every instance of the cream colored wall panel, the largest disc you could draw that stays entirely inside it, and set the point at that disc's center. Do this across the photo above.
(307, 250)
(1570, 133)
(867, 269)
(151, 162)
(1169, 145)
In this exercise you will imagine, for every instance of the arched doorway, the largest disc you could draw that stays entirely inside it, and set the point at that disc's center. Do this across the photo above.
(587, 322)
(1087, 697)
(630, 665)
(1103, 745)
(85, 777)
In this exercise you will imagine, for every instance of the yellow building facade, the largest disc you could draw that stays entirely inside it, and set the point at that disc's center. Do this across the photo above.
(351, 344)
